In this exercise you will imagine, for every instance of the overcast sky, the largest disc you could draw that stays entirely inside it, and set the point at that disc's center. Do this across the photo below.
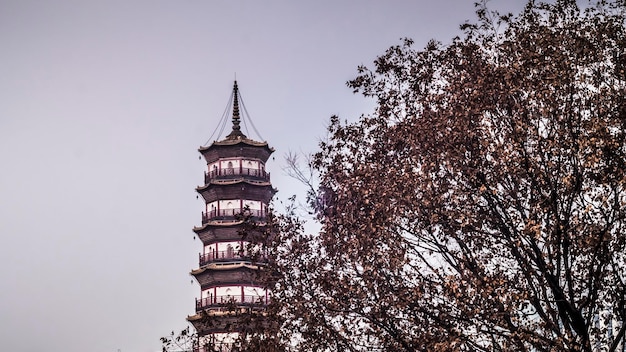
(103, 105)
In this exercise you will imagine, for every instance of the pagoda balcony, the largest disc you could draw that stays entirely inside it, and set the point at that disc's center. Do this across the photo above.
(228, 255)
(230, 214)
(227, 300)
(221, 256)
(236, 172)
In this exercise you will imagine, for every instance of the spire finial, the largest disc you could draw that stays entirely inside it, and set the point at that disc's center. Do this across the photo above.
(236, 133)
(236, 107)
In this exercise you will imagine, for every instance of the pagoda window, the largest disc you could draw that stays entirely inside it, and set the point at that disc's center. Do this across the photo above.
(227, 294)
(211, 209)
(210, 249)
(255, 295)
(230, 209)
(254, 291)
(226, 290)
(229, 168)
(207, 294)
(251, 170)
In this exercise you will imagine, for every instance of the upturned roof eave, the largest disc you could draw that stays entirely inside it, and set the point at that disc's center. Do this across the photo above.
(244, 265)
(221, 224)
(234, 142)
(234, 182)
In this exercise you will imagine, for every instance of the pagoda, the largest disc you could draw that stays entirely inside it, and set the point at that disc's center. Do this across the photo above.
(236, 192)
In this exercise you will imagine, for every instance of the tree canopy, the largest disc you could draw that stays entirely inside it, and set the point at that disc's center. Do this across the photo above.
(481, 206)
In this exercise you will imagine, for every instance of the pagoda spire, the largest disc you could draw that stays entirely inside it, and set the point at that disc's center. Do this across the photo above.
(236, 133)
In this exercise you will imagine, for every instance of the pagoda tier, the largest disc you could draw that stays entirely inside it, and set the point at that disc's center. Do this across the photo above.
(224, 231)
(229, 321)
(236, 148)
(237, 189)
(230, 273)
(247, 173)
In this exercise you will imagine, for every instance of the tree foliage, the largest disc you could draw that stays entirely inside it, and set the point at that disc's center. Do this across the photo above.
(184, 341)
(481, 206)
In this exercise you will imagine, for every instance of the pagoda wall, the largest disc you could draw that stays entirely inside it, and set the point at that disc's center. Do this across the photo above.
(216, 233)
(215, 191)
(212, 277)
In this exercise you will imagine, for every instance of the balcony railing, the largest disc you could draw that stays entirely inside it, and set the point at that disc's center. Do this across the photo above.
(221, 256)
(221, 301)
(235, 171)
(227, 255)
(223, 214)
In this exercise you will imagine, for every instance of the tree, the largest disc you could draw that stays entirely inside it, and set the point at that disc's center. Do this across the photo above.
(481, 206)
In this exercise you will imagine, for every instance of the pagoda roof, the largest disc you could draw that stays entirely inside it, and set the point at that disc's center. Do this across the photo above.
(225, 266)
(225, 143)
(236, 136)
(218, 223)
(235, 141)
(231, 181)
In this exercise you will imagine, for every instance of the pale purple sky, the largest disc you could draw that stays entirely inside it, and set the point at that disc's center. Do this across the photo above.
(103, 105)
